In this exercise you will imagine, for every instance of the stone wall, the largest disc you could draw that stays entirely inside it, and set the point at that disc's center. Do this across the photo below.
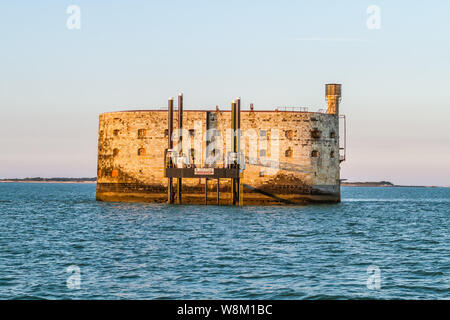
(132, 143)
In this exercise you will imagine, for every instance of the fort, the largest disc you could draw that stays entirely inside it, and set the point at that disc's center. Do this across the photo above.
(225, 157)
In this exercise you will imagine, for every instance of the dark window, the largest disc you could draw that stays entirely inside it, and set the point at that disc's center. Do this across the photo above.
(191, 132)
(332, 135)
(288, 153)
(289, 134)
(261, 173)
(332, 154)
(166, 132)
(316, 134)
(141, 133)
(262, 153)
(141, 152)
(262, 133)
(116, 132)
(315, 154)
(115, 152)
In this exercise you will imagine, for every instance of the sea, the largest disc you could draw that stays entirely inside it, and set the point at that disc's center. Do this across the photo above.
(58, 242)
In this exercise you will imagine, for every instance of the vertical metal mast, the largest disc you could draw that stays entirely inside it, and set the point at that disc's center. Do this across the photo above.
(234, 142)
(180, 130)
(238, 150)
(169, 164)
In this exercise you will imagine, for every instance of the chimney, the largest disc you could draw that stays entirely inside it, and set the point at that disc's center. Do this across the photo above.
(333, 96)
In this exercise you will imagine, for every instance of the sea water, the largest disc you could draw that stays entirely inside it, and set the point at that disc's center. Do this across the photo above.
(57, 242)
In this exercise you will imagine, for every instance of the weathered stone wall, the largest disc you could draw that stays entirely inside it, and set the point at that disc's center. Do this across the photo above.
(132, 143)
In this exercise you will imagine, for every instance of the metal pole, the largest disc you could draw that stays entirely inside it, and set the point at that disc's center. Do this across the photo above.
(207, 137)
(233, 125)
(238, 124)
(238, 148)
(169, 164)
(206, 191)
(180, 130)
(218, 196)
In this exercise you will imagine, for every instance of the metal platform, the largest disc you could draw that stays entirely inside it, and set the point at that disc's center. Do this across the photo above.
(179, 170)
(202, 173)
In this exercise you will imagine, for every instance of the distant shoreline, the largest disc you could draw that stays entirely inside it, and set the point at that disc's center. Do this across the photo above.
(52, 181)
(49, 180)
(384, 184)
(381, 184)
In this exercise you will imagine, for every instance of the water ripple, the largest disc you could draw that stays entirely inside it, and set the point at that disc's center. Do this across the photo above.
(146, 251)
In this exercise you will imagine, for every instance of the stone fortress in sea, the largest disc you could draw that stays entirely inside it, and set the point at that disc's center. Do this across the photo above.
(225, 157)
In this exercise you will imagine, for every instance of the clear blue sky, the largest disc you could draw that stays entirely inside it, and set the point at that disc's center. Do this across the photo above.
(135, 54)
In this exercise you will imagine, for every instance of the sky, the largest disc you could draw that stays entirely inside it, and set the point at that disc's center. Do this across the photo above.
(55, 81)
